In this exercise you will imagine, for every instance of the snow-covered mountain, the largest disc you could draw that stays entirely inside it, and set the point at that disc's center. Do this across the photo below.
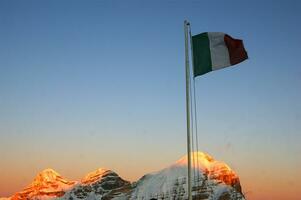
(46, 185)
(100, 184)
(213, 180)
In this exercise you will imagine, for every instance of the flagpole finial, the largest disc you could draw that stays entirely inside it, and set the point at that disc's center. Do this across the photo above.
(187, 22)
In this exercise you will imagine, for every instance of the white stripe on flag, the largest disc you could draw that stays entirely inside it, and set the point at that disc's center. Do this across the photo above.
(219, 52)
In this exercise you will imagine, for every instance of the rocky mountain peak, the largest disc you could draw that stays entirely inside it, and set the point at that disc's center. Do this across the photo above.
(47, 183)
(96, 175)
(99, 184)
(46, 176)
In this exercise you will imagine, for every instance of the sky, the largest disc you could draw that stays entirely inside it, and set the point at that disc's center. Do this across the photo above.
(89, 84)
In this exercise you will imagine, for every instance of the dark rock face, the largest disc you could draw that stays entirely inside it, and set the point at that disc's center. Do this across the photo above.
(107, 186)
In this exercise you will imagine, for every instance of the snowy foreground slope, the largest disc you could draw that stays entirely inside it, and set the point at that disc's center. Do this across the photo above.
(213, 180)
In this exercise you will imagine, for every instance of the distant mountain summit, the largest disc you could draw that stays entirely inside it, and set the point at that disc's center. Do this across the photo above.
(215, 170)
(94, 176)
(212, 180)
(47, 184)
(100, 184)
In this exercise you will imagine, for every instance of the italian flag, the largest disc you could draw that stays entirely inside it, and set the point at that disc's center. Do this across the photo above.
(215, 50)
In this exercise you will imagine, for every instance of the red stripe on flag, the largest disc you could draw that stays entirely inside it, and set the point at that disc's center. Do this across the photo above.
(236, 49)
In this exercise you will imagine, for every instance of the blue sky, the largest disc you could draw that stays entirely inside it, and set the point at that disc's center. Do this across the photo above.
(105, 80)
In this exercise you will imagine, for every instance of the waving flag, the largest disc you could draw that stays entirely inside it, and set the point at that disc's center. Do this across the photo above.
(216, 50)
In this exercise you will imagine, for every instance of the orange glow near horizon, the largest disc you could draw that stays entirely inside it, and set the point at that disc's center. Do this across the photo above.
(50, 178)
(256, 184)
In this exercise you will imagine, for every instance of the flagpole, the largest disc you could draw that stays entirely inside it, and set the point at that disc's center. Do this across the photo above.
(187, 69)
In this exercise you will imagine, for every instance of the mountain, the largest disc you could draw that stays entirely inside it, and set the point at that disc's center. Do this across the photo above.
(46, 185)
(212, 180)
(100, 184)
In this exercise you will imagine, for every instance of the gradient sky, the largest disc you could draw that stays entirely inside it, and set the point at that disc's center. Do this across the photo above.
(89, 84)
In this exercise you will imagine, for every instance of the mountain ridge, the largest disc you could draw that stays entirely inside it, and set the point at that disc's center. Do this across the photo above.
(213, 180)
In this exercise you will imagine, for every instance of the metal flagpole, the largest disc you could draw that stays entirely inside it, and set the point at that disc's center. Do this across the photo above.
(195, 113)
(186, 24)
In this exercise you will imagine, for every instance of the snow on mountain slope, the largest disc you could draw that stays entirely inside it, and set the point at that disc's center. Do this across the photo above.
(47, 184)
(213, 180)
(100, 184)
(95, 176)
(214, 169)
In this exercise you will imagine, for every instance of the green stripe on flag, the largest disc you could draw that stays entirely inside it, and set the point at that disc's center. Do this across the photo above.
(201, 54)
